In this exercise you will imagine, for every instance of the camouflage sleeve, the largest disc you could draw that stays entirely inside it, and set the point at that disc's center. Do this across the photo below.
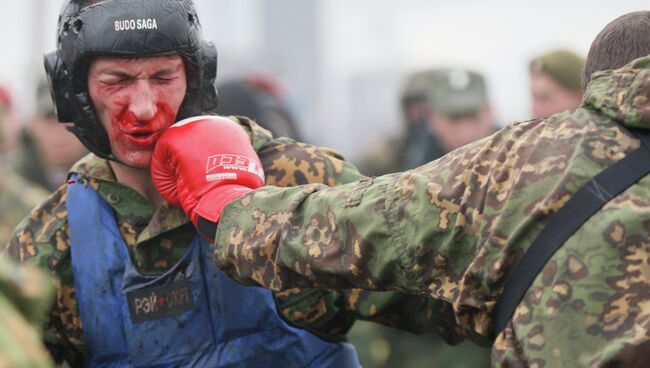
(25, 295)
(41, 240)
(415, 232)
(314, 235)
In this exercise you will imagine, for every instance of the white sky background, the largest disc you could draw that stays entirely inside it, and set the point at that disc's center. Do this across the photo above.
(364, 48)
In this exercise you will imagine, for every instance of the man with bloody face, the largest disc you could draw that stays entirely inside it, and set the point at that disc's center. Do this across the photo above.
(137, 283)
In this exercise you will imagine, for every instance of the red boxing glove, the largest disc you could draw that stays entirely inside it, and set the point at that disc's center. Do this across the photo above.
(201, 164)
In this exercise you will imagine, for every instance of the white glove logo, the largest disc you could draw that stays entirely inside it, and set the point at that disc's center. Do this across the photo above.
(227, 166)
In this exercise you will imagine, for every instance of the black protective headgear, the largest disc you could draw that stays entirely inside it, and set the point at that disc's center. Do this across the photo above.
(126, 28)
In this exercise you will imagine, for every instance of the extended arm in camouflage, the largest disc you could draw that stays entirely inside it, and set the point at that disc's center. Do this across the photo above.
(410, 232)
(449, 230)
(332, 312)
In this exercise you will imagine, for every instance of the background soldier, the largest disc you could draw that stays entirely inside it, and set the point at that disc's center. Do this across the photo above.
(47, 148)
(555, 82)
(17, 196)
(442, 109)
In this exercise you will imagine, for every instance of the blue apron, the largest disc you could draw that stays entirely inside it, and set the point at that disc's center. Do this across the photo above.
(193, 315)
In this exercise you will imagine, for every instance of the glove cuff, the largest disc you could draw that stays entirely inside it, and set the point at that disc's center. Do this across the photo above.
(206, 228)
(211, 205)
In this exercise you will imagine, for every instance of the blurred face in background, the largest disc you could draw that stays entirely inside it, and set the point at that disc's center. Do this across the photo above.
(416, 111)
(549, 97)
(55, 144)
(458, 130)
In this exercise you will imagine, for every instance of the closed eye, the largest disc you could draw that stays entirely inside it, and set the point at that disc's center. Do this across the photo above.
(115, 78)
(165, 79)
(166, 75)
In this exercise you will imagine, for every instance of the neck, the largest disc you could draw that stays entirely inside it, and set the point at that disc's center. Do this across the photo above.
(138, 180)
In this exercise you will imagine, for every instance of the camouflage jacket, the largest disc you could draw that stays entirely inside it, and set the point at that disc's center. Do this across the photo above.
(17, 198)
(158, 238)
(455, 228)
(25, 295)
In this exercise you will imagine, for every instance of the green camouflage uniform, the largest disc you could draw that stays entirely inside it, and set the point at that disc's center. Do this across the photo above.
(17, 199)
(25, 294)
(455, 228)
(158, 238)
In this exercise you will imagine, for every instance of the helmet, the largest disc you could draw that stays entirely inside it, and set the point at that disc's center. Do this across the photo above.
(128, 28)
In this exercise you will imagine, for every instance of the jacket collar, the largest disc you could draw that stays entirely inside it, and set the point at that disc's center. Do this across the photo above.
(623, 94)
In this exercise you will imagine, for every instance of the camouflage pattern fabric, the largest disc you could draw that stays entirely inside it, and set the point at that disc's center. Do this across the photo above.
(17, 199)
(25, 294)
(157, 238)
(455, 228)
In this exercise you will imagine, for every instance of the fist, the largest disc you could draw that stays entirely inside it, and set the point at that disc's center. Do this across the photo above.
(202, 163)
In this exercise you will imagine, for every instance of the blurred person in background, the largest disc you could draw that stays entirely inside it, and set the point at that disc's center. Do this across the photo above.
(555, 82)
(262, 99)
(17, 196)
(47, 148)
(390, 154)
(443, 109)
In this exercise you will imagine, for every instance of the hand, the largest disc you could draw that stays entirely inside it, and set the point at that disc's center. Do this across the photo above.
(201, 164)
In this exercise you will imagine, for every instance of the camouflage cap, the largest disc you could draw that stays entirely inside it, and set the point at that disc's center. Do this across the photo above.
(450, 91)
(565, 67)
(416, 87)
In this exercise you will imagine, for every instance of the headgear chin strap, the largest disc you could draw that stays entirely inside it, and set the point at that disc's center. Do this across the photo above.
(126, 28)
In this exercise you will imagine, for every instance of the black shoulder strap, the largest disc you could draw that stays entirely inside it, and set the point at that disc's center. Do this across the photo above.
(590, 198)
